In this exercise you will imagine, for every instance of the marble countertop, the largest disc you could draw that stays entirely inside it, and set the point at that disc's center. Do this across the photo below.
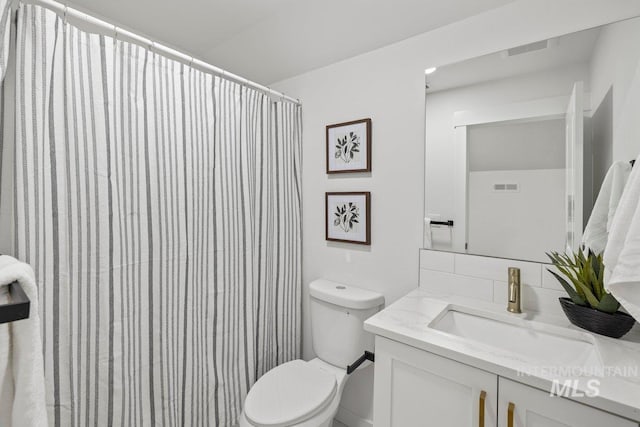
(408, 319)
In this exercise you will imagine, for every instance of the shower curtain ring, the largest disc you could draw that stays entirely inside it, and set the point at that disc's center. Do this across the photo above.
(115, 32)
(191, 62)
(64, 14)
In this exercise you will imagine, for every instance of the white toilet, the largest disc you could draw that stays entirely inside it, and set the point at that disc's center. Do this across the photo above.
(307, 394)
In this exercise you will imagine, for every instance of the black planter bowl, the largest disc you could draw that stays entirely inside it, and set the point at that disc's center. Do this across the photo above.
(611, 325)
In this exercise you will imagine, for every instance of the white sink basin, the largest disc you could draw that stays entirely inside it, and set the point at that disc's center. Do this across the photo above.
(542, 345)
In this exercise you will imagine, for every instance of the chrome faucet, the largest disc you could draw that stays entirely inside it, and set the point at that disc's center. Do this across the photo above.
(513, 305)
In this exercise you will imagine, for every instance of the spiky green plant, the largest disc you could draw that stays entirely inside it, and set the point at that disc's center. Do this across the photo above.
(586, 276)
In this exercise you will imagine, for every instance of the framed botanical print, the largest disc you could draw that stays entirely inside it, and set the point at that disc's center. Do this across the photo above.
(348, 217)
(349, 147)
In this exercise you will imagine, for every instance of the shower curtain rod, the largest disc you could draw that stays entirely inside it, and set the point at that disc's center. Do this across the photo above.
(120, 33)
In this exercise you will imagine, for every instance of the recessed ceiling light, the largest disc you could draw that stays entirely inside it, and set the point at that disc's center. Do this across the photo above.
(430, 70)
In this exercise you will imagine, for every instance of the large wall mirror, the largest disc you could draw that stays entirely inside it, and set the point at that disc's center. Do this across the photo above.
(518, 142)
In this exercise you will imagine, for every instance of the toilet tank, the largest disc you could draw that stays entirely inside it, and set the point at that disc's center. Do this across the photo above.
(338, 313)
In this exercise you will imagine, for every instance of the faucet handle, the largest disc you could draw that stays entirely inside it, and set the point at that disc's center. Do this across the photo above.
(514, 294)
(514, 275)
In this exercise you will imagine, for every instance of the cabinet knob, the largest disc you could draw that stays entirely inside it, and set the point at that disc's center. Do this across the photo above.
(510, 410)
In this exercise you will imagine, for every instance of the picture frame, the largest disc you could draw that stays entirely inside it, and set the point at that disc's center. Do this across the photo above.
(348, 217)
(348, 147)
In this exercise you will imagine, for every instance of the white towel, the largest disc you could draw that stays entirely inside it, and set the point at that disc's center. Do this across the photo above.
(622, 254)
(22, 387)
(597, 229)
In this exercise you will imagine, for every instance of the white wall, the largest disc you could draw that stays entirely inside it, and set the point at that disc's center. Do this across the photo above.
(601, 133)
(529, 222)
(616, 62)
(532, 144)
(388, 86)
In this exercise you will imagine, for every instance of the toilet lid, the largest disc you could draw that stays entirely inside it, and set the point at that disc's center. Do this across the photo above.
(289, 394)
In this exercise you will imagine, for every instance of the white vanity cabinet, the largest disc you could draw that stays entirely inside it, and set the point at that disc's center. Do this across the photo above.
(531, 407)
(416, 388)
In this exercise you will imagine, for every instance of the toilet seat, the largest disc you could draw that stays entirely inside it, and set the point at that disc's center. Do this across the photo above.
(289, 394)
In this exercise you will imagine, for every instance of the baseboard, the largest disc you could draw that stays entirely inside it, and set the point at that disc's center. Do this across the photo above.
(350, 419)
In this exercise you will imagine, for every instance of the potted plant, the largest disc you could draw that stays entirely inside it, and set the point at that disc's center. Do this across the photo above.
(589, 305)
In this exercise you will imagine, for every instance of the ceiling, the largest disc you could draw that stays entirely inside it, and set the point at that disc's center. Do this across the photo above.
(269, 40)
(562, 51)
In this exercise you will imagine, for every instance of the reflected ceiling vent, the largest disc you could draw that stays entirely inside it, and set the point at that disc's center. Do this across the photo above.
(526, 48)
(506, 188)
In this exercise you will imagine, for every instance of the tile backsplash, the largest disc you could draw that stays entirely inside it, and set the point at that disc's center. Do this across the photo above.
(485, 278)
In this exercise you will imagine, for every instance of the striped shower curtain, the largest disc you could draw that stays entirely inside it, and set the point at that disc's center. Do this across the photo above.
(160, 208)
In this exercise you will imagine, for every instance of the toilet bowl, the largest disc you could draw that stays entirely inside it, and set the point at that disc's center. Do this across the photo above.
(296, 393)
(307, 394)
